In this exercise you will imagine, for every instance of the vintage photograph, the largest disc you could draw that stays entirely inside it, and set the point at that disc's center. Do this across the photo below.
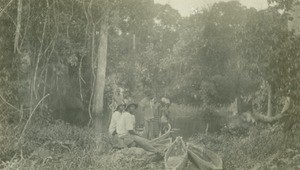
(150, 84)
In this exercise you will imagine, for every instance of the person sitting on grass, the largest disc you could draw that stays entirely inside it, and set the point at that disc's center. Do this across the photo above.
(116, 142)
(126, 131)
(115, 118)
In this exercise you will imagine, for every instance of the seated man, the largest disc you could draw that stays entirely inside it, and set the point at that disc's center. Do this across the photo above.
(115, 118)
(126, 130)
(113, 125)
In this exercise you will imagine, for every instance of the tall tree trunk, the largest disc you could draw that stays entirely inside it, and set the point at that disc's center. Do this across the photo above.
(100, 76)
(17, 36)
(237, 89)
(237, 104)
(269, 112)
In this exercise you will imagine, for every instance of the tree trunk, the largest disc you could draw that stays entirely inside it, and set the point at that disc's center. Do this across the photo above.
(238, 105)
(237, 89)
(270, 106)
(100, 76)
(19, 15)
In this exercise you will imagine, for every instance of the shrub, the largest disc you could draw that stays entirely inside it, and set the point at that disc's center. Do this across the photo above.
(260, 147)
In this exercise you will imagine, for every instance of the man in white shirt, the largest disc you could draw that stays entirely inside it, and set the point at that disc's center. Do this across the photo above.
(115, 118)
(126, 130)
(126, 125)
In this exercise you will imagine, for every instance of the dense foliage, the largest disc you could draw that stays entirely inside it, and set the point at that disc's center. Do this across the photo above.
(211, 57)
(49, 50)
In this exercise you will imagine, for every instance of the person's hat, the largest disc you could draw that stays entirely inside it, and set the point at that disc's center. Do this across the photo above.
(132, 104)
(120, 104)
(165, 100)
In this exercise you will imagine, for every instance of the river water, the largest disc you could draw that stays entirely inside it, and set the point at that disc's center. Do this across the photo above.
(188, 126)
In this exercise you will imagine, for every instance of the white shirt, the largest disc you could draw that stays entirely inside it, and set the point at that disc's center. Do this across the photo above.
(126, 123)
(113, 122)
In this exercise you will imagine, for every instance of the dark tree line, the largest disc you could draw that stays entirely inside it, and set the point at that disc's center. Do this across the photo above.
(80, 51)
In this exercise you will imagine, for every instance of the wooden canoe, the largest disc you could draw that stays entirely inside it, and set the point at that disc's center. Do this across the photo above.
(176, 156)
(163, 144)
(162, 137)
(204, 158)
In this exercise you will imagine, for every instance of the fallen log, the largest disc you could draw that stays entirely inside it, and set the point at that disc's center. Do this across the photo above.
(267, 119)
(270, 119)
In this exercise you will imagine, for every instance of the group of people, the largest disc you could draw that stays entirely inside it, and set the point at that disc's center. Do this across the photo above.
(156, 116)
(122, 125)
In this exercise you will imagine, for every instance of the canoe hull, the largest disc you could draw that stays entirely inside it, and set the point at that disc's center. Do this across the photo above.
(176, 156)
(204, 159)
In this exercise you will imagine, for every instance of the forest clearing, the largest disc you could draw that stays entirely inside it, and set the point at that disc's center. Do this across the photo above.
(215, 89)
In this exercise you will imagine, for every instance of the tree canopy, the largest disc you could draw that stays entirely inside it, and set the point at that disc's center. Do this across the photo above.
(212, 57)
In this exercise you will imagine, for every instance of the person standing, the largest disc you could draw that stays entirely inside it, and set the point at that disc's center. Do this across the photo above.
(147, 107)
(165, 119)
(156, 119)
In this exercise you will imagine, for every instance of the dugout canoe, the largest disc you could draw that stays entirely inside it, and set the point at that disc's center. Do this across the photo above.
(176, 156)
(204, 158)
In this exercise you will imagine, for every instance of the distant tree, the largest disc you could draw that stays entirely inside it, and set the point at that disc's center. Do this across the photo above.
(205, 59)
(282, 4)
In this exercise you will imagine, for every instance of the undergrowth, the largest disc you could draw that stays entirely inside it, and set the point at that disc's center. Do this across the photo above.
(58, 145)
(61, 146)
(263, 147)
(52, 146)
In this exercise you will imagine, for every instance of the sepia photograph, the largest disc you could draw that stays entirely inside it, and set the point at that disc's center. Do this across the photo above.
(150, 84)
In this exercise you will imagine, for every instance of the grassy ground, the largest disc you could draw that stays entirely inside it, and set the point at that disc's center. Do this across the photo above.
(62, 146)
(263, 147)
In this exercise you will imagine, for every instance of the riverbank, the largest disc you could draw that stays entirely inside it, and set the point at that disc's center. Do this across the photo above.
(61, 146)
(263, 147)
